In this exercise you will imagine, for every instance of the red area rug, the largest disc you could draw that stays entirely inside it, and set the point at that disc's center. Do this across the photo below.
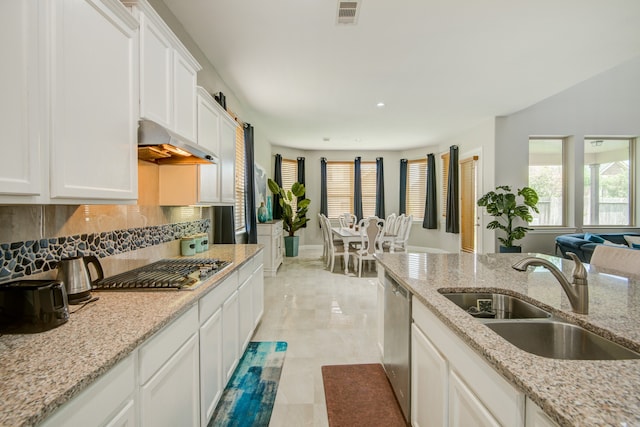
(360, 396)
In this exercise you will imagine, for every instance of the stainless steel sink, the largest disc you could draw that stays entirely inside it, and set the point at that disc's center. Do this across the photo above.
(496, 306)
(559, 340)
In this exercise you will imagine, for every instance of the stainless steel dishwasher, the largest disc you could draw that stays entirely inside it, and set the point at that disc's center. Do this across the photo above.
(397, 341)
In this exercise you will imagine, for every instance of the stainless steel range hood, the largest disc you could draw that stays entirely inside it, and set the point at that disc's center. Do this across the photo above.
(163, 146)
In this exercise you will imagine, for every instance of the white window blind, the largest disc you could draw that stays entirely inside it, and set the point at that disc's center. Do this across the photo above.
(289, 177)
(339, 188)
(368, 181)
(416, 187)
(239, 205)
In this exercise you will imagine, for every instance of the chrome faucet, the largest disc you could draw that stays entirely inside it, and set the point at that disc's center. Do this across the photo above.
(577, 292)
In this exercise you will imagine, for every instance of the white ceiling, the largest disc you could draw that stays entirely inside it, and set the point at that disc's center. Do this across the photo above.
(440, 66)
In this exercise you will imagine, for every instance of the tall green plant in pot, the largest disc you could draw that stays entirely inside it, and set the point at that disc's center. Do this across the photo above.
(507, 209)
(292, 220)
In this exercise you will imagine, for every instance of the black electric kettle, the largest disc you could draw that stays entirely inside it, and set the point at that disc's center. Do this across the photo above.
(74, 273)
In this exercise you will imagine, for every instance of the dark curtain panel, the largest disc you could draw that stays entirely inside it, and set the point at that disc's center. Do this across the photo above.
(379, 188)
(430, 204)
(249, 186)
(324, 203)
(453, 222)
(301, 180)
(403, 187)
(277, 177)
(357, 190)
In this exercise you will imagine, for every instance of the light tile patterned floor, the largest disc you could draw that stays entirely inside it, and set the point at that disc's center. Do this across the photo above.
(327, 319)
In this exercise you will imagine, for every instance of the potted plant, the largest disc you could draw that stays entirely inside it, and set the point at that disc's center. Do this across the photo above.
(291, 221)
(506, 208)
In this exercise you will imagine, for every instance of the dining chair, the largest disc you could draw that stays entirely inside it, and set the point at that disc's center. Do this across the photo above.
(400, 242)
(347, 220)
(334, 247)
(323, 228)
(371, 230)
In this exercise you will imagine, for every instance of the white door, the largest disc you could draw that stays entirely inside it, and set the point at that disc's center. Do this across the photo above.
(428, 382)
(94, 101)
(171, 397)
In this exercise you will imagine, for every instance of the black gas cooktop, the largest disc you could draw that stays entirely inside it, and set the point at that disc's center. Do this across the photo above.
(178, 273)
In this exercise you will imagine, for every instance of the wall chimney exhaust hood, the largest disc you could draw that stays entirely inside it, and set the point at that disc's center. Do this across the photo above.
(162, 146)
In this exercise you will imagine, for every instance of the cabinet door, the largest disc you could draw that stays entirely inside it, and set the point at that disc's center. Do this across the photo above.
(184, 97)
(258, 294)
(428, 382)
(156, 73)
(20, 164)
(211, 384)
(106, 402)
(465, 410)
(208, 122)
(171, 397)
(245, 295)
(535, 417)
(208, 184)
(230, 333)
(227, 161)
(94, 101)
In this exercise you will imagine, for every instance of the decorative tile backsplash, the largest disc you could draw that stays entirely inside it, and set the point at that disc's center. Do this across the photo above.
(20, 259)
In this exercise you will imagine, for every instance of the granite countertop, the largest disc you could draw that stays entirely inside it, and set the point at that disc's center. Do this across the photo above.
(39, 372)
(571, 392)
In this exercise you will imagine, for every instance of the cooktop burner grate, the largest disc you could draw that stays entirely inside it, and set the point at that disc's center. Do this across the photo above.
(179, 273)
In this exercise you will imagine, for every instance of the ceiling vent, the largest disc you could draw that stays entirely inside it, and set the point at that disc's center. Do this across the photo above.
(348, 12)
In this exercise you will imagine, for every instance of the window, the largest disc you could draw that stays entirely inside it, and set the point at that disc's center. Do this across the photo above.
(239, 205)
(607, 185)
(368, 183)
(340, 188)
(445, 181)
(546, 176)
(289, 176)
(416, 187)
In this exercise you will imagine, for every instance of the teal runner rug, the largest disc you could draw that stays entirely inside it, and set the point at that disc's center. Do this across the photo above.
(248, 398)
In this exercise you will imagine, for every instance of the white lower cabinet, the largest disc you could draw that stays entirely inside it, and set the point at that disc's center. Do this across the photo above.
(270, 235)
(170, 375)
(230, 344)
(210, 366)
(465, 409)
(473, 393)
(107, 402)
(257, 287)
(428, 383)
(245, 297)
(536, 417)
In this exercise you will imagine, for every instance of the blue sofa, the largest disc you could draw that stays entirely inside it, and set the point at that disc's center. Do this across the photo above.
(582, 247)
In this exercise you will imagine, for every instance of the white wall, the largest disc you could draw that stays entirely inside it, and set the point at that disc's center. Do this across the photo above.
(605, 105)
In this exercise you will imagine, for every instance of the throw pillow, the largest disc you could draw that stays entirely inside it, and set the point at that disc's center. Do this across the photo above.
(632, 239)
(594, 238)
(609, 243)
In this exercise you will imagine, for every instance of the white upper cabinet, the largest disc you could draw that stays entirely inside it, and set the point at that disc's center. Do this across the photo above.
(209, 113)
(227, 160)
(156, 73)
(168, 74)
(69, 102)
(94, 100)
(21, 165)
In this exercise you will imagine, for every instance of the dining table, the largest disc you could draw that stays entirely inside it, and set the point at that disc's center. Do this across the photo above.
(350, 235)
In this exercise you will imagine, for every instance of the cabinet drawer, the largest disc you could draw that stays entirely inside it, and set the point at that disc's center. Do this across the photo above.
(161, 346)
(245, 271)
(209, 303)
(258, 260)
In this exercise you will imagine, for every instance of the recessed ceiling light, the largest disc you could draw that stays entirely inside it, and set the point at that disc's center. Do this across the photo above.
(380, 104)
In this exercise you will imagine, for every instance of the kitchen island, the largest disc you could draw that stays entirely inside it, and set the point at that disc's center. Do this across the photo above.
(570, 392)
(41, 372)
